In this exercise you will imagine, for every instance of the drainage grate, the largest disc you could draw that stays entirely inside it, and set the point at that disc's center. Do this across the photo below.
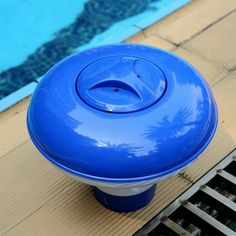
(207, 208)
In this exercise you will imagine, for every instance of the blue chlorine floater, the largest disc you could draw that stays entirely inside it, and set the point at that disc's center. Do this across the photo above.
(122, 118)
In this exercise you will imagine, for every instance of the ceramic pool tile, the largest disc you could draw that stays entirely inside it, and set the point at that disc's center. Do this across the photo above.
(14, 110)
(225, 94)
(13, 132)
(16, 96)
(191, 19)
(13, 127)
(162, 9)
(61, 205)
(211, 72)
(27, 183)
(155, 41)
(217, 42)
(221, 145)
(135, 38)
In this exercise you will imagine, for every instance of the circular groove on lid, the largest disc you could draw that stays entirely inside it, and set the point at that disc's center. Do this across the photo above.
(121, 84)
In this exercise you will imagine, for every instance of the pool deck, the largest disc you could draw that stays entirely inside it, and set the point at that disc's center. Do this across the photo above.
(36, 199)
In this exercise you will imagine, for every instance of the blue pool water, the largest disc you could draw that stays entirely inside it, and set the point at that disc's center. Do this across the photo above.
(36, 34)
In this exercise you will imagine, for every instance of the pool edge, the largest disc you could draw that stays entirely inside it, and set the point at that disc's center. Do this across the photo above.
(28, 89)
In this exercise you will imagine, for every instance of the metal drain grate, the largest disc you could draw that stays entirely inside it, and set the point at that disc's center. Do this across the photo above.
(205, 209)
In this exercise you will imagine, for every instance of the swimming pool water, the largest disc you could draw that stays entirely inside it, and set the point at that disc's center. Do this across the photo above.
(36, 34)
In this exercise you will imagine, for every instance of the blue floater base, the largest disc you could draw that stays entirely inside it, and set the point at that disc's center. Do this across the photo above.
(124, 204)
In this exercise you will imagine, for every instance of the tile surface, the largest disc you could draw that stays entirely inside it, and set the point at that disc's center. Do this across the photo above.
(217, 43)
(191, 19)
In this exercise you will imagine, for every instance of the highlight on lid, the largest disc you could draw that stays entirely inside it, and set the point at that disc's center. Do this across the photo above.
(122, 118)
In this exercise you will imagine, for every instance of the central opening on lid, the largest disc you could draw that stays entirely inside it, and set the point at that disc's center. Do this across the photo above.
(121, 84)
(115, 89)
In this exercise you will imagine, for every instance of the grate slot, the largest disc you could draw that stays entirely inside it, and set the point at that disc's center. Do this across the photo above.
(231, 168)
(207, 208)
(224, 187)
(162, 230)
(214, 208)
(175, 227)
(227, 176)
(217, 196)
(209, 219)
(192, 223)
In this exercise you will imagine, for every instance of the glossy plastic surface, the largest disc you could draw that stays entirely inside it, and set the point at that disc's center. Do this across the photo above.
(121, 84)
(125, 203)
(135, 144)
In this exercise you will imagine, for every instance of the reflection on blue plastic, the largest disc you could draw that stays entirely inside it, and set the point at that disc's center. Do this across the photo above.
(121, 84)
(98, 144)
(122, 117)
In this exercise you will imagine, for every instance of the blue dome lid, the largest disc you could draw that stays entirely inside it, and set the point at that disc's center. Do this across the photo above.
(121, 84)
(122, 113)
